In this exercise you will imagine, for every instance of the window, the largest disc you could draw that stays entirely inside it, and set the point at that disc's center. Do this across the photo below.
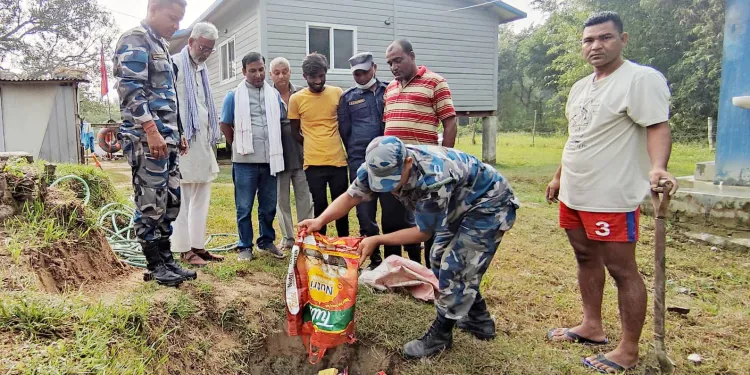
(227, 57)
(337, 43)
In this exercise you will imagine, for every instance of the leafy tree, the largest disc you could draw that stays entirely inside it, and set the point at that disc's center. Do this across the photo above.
(43, 35)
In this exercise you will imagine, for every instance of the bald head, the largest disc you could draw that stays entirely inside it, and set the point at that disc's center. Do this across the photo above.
(403, 44)
(402, 60)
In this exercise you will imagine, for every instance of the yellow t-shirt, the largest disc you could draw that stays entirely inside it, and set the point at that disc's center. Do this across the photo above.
(320, 126)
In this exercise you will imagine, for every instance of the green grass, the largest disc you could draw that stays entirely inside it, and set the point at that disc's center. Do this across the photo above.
(530, 287)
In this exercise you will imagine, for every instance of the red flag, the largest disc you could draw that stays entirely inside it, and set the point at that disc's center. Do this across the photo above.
(103, 70)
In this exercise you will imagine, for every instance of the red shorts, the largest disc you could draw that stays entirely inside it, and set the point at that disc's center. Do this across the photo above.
(602, 226)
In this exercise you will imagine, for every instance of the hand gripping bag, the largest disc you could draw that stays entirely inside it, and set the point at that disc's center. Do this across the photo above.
(321, 292)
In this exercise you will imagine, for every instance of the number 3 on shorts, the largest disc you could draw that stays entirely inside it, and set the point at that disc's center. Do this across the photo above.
(604, 230)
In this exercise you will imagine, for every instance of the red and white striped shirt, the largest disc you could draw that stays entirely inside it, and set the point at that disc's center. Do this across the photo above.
(413, 111)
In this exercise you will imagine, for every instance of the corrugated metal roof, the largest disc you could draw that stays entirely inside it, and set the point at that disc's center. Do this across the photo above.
(9, 77)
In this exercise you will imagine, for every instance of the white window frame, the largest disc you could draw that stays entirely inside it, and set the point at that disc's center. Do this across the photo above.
(330, 28)
(233, 72)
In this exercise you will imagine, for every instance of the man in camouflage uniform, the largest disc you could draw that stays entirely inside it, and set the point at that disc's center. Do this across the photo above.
(467, 204)
(151, 135)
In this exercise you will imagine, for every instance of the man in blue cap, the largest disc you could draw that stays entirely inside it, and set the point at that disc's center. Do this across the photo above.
(465, 203)
(360, 116)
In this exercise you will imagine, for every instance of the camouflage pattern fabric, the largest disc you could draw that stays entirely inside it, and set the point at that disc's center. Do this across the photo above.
(157, 189)
(465, 202)
(146, 84)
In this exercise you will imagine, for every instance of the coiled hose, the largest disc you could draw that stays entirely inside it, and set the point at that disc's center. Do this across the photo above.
(121, 234)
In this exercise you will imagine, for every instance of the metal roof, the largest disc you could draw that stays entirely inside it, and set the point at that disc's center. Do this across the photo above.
(9, 78)
(508, 12)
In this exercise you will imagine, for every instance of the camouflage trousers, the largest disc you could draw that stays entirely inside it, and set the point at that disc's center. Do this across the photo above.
(461, 255)
(156, 184)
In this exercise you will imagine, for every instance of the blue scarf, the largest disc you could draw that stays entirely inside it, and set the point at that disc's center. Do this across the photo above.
(191, 123)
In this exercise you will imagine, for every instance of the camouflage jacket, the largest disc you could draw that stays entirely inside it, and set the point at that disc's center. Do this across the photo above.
(146, 84)
(444, 185)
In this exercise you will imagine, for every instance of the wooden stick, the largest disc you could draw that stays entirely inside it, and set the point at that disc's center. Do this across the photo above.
(660, 199)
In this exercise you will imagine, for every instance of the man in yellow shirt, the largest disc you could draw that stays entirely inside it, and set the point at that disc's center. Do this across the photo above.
(312, 112)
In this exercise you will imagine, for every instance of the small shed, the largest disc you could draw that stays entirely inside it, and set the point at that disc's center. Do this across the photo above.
(40, 116)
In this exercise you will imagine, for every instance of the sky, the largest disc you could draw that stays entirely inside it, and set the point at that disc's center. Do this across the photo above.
(129, 13)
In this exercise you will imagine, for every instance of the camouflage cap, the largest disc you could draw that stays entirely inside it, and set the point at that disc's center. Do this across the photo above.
(384, 161)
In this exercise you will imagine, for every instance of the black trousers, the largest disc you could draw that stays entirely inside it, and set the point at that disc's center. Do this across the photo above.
(396, 217)
(320, 180)
(393, 217)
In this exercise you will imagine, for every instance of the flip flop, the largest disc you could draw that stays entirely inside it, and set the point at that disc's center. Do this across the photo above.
(603, 360)
(575, 338)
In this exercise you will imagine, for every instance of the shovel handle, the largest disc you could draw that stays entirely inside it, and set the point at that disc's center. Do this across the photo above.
(660, 198)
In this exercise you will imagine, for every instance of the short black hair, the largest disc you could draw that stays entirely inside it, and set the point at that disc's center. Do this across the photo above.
(314, 64)
(161, 3)
(604, 17)
(251, 58)
(405, 45)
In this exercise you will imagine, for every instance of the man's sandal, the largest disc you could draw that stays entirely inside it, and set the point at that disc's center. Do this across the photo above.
(574, 338)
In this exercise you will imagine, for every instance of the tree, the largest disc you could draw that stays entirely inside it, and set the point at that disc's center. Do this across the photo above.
(42, 36)
(683, 39)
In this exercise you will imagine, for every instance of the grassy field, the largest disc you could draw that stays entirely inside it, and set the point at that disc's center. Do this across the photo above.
(530, 287)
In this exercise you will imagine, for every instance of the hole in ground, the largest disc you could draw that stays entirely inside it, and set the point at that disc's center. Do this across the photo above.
(283, 355)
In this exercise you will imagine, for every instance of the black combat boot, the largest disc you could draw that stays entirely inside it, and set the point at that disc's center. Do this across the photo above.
(438, 338)
(165, 250)
(478, 321)
(156, 269)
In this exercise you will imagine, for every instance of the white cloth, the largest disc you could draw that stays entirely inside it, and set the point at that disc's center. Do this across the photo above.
(396, 273)
(190, 226)
(199, 165)
(243, 131)
(605, 163)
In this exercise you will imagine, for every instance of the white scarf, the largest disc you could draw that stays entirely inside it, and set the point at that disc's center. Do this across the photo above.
(243, 130)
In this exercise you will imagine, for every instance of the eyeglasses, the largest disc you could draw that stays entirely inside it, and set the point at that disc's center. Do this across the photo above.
(206, 49)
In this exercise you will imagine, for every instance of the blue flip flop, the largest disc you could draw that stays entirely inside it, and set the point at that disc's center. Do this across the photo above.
(603, 360)
(575, 338)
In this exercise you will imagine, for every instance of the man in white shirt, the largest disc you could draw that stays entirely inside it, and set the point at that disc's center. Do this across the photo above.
(200, 121)
(619, 146)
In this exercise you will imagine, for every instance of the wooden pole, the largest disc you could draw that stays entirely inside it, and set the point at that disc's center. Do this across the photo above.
(533, 131)
(660, 199)
(711, 133)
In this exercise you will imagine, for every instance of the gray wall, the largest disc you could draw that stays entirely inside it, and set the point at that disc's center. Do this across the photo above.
(61, 142)
(240, 19)
(40, 118)
(286, 31)
(461, 45)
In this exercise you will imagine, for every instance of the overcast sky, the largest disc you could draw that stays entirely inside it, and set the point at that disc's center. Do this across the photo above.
(129, 13)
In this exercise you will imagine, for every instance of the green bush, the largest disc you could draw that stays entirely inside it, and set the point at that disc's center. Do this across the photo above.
(102, 189)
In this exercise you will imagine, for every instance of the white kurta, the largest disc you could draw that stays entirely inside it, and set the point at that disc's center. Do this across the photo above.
(199, 165)
(198, 169)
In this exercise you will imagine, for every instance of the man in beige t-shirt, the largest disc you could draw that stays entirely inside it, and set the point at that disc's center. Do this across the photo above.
(619, 147)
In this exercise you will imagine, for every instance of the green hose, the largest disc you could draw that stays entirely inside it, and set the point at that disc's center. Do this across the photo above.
(122, 240)
(86, 190)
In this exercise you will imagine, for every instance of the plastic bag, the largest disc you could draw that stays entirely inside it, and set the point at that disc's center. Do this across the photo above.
(321, 292)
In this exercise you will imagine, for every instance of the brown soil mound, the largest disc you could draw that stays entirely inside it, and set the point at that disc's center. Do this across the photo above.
(68, 265)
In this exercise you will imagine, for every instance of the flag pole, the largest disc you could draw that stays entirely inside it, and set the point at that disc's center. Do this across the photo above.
(109, 108)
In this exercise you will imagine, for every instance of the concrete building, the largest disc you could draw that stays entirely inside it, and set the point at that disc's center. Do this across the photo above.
(715, 202)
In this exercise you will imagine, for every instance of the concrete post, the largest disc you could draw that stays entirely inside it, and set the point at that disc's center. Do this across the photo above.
(489, 140)
(733, 135)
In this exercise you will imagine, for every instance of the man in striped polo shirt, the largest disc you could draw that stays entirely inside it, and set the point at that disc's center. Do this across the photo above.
(416, 102)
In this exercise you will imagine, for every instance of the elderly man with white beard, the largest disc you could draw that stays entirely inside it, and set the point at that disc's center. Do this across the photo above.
(201, 123)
